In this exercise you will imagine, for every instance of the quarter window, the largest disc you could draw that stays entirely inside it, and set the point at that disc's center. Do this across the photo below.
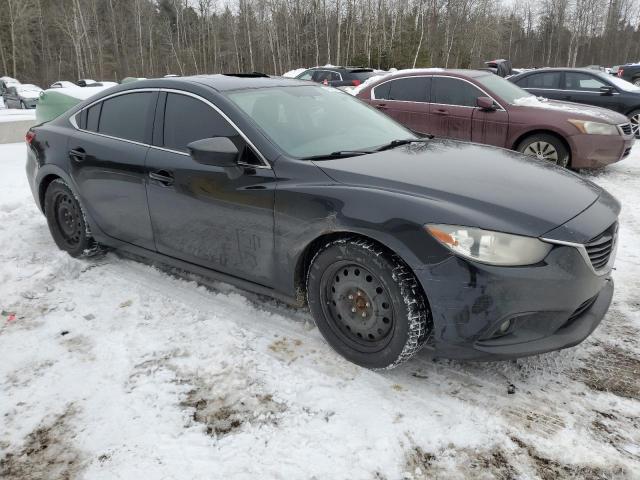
(187, 119)
(451, 91)
(582, 81)
(126, 116)
(93, 116)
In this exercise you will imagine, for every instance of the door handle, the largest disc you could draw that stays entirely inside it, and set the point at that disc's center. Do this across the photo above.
(381, 106)
(77, 154)
(441, 111)
(162, 176)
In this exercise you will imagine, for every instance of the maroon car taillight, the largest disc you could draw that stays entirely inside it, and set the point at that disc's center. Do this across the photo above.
(355, 83)
(29, 137)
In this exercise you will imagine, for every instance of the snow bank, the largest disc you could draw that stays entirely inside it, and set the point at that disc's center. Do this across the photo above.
(294, 73)
(15, 115)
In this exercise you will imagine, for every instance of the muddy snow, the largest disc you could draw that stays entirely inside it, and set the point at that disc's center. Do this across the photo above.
(114, 369)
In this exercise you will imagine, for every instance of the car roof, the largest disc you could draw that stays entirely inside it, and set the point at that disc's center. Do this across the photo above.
(222, 82)
(451, 72)
(562, 69)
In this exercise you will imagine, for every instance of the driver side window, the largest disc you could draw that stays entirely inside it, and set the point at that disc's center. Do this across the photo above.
(451, 91)
(187, 119)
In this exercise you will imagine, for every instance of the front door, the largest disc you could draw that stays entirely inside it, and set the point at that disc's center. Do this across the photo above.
(490, 127)
(584, 87)
(107, 156)
(453, 102)
(210, 216)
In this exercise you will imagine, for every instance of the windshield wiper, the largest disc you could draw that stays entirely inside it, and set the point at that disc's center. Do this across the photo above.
(338, 154)
(403, 141)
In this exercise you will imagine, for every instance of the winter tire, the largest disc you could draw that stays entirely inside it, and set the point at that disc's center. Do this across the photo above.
(67, 221)
(367, 303)
(545, 147)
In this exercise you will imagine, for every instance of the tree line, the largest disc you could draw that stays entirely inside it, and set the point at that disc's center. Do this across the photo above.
(42, 41)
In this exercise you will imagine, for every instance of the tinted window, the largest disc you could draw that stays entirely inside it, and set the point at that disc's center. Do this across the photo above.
(93, 115)
(382, 92)
(410, 89)
(126, 116)
(306, 75)
(362, 75)
(451, 91)
(541, 80)
(187, 119)
(325, 75)
(582, 81)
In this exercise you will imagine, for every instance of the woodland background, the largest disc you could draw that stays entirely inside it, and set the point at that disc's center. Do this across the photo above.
(42, 41)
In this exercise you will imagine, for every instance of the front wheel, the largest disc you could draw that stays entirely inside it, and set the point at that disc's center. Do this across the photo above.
(636, 82)
(67, 222)
(545, 147)
(367, 303)
(634, 119)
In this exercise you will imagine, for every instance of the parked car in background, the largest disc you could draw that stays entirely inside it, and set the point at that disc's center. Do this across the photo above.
(586, 86)
(500, 67)
(481, 107)
(6, 82)
(630, 73)
(63, 84)
(83, 82)
(303, 193)
(338, 76)
(23, 96)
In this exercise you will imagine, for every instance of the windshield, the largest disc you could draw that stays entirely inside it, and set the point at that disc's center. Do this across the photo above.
(312, 120)
(504, 89)
(621, 83)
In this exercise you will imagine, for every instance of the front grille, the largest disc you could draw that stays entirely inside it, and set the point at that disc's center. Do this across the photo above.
(626, 129)
(599, 249)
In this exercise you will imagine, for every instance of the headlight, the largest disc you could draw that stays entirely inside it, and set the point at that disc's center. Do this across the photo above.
(595, 128)
(494, 248)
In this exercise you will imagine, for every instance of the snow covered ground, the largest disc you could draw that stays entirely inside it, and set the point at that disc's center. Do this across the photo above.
(111, 369)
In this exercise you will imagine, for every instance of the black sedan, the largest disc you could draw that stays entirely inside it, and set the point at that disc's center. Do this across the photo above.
(306, 194)
(338, 77)
(584, 86)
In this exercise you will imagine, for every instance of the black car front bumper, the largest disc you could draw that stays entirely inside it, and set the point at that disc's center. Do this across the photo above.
(550, 306)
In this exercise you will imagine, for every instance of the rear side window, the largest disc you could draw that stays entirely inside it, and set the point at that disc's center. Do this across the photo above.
(541, 80)
(187, 119)
(322, 75)
(451, 91)
(127, 116)
(409, 89)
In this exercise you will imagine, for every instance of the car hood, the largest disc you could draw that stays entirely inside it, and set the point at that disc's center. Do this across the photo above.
(573, 110)
(474, 185)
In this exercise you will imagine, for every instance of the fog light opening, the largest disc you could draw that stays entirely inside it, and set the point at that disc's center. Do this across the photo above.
(504, 327)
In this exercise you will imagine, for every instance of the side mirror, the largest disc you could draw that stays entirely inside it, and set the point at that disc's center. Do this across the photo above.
(217, 151)
(607, 90)
(485, 103)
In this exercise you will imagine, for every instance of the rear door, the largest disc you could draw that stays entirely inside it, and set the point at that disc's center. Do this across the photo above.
(583, 87)
(107, 155)
(453, 101)
(216, 217)
(544, 84)
(405, 100)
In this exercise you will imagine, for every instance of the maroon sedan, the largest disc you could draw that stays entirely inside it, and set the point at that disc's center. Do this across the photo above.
(482, 107)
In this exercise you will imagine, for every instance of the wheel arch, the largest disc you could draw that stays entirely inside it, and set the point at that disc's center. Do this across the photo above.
(316, 245)
(542, 131)
(42, 188)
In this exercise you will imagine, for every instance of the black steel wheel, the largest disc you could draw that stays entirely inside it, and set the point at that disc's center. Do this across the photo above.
(367, 303)
(67, 222)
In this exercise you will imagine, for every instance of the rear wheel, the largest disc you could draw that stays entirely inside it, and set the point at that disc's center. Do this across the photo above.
(545, 147)
(634, 119)
(367, 303)
(636, 82)
(67, 222)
